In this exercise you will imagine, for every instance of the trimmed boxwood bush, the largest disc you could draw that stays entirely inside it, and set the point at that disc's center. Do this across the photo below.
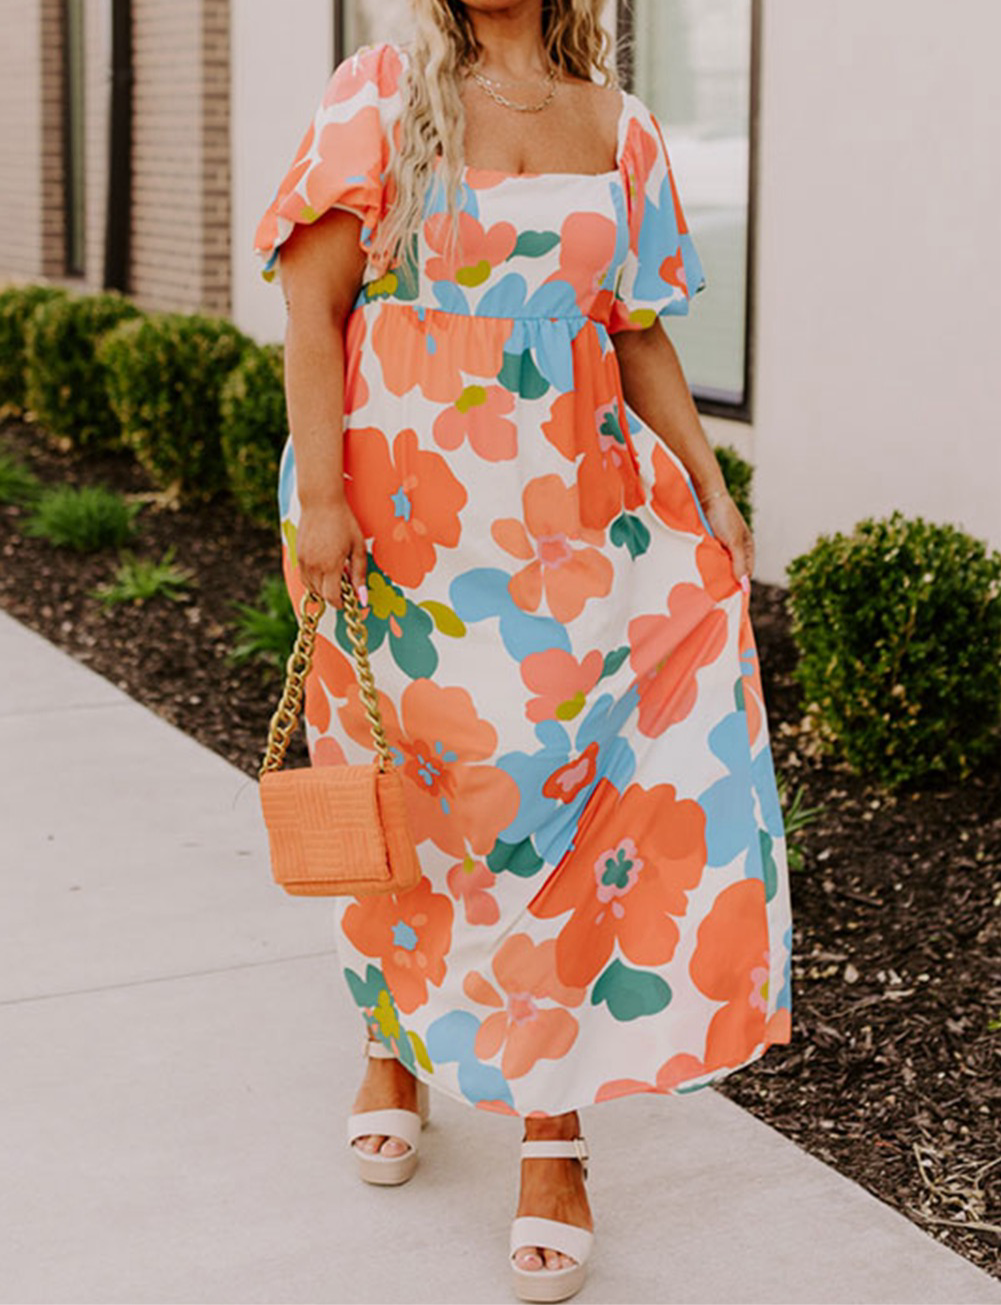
(65, 377)
(165, 373)
(898, 628)
(737, 473)
(17, 303)
(254, 430)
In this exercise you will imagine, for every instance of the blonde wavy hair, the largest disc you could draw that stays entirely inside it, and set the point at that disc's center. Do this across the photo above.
(433, 120)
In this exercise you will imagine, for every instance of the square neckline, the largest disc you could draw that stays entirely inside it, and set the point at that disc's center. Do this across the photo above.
(573, 176)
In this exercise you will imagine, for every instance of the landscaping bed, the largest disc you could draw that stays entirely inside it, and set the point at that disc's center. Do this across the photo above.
(893, 1075)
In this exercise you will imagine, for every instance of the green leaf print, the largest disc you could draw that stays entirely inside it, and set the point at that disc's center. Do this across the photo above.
(768, 866)
(520, 375)
(520, 859)
(533, 244)
(420, 1051)
(613, 660)
(407, 625)
(632, 532)
(630, 994)
(444, 618)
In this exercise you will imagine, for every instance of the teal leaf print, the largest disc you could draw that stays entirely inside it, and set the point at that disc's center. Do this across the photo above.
(373, 996)
(520, 859)
(630, 531)
(533, 244)
(520, 375)
(613, 660)
(770, 872)
(630, 994)
(391, 614)
(610, 425)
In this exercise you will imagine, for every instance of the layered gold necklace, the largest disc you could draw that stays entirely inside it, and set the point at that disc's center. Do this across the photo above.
(489, 84)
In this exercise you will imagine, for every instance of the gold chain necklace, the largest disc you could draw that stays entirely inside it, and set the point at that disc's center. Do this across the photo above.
(488, 85)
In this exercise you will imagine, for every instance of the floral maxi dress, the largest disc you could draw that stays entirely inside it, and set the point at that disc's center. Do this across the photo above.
(565, 661)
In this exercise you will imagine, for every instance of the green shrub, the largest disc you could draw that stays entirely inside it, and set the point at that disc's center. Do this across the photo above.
(737, 473)
(266, 632)
(66, 380)
(17, 303)
(254, 430)
(138, 579)
(85, 520)
(18, 484)
(898, 628)
(165, 373)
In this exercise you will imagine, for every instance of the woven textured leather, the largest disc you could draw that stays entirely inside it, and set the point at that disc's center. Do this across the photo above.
(339, 830)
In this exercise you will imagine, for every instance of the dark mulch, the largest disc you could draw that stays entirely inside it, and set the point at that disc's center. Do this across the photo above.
(894, 1072)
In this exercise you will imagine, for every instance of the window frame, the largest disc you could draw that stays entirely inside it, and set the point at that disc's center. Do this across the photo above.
(712, 404)
(74, 142)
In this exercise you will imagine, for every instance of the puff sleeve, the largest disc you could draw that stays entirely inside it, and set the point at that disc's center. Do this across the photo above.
(343, 158)
(661, 272)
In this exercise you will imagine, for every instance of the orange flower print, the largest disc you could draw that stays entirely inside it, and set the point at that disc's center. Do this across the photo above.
(477, 252)
(471, 883)
(666, 652)
(407, 503)
(587, 248)
(453, 797)
(435, 350)
(585, 426)
(331, 673)
(674, 502)
(345, 150)
(634, 859)
(528, 1030)
(356, 391)
(326, 751)
(640, 151)
(731, 964)
(561, 682)
(411, 934)
(479, 415)
(754, 694)
(381, 68)
(567, 576)
(573, 776)
(287, 204)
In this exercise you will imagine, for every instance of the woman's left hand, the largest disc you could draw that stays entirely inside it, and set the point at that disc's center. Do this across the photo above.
(734, 533)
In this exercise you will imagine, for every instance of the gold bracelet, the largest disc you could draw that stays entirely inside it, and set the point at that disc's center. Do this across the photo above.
(717, 493)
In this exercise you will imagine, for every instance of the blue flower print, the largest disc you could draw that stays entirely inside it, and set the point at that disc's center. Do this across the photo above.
(550, 822)
(451, 1039)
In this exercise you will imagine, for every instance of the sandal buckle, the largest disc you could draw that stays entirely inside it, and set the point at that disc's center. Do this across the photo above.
(583, 1155)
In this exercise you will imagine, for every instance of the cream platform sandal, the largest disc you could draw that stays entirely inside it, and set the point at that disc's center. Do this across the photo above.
(389, 1170)
(551, 1284)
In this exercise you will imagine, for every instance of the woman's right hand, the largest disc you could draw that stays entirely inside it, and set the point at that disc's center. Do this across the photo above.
(329, 539)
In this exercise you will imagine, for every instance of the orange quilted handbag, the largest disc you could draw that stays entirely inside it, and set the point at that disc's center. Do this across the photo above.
(335, 829)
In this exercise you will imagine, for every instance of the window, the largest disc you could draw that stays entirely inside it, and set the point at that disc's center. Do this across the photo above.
(364, 22)
(73, 136)
(694, 63)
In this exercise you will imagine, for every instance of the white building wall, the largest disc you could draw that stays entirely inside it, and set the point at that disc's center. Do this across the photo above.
(878, 370)
(279, 70)
(878, 262)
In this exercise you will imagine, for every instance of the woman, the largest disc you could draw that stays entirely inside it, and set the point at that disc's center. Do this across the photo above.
(478, 237)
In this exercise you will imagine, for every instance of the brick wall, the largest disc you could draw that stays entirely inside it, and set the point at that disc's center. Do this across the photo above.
(181, 155)
(24, 229)
(216, 171)
(180, 227)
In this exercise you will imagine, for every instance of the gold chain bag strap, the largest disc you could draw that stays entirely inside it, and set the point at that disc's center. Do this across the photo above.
(335, 829)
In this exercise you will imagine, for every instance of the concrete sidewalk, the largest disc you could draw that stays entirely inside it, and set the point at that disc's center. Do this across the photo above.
(177, 1057)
